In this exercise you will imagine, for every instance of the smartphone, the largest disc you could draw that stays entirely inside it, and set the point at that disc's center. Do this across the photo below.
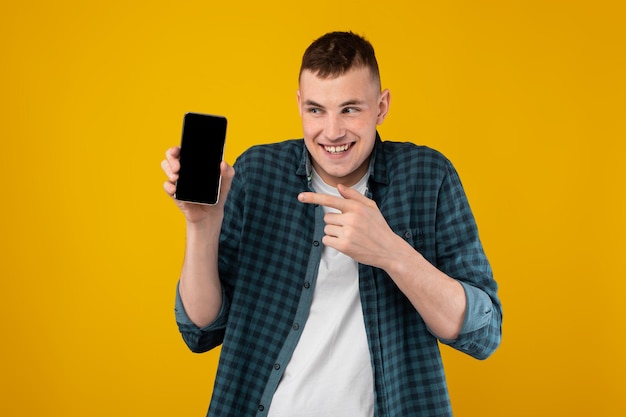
(201, 152)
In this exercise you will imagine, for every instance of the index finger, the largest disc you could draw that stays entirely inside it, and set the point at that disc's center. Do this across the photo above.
(172, 161)
(323, 200)
(173, 153)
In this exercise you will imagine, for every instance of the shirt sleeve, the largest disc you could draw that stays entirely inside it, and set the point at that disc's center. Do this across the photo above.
(200, 339)
(460, 255)
(481, 331)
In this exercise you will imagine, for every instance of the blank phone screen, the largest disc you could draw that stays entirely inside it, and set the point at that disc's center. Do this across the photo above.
(201, 151)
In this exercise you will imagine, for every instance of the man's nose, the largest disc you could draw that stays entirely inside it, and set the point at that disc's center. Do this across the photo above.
(334, 128)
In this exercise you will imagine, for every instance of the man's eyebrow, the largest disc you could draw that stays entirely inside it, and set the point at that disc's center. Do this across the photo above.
(311, 103)
(344, 104)
(352, 103)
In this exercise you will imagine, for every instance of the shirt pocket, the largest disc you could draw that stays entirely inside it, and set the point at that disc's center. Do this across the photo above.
(416, 237)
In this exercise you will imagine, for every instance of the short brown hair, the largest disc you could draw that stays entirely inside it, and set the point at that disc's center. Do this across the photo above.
(335, 53)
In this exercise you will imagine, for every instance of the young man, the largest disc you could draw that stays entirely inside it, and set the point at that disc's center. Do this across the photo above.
(342, 260)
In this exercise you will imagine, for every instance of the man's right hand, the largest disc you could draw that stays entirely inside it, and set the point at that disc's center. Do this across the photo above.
(195, 213)
(199, 287)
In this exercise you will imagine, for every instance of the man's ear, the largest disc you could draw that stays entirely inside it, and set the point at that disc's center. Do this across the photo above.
(383, 106)
(299, 102)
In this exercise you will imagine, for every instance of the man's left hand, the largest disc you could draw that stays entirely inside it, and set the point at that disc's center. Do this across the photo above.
(359, 230)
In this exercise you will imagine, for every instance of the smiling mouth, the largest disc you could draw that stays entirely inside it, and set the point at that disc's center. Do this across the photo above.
(335, 150)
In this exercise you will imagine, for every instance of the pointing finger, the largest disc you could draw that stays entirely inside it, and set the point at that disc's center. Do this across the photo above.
(322, 200)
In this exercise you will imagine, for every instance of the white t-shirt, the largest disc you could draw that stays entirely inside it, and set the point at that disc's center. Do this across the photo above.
(330, 372)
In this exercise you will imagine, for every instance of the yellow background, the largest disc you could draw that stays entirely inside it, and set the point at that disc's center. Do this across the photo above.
(527, 98)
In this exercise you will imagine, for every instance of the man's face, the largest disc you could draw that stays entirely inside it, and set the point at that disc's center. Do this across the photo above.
(339, 119)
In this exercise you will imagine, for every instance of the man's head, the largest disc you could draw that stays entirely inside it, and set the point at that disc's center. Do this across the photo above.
(336, 53)
(341, 105)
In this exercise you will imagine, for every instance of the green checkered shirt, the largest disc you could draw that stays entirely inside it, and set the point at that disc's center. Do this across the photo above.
(270, 248)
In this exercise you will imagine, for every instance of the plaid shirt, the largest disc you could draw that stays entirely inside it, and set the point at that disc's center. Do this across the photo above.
(270, 248)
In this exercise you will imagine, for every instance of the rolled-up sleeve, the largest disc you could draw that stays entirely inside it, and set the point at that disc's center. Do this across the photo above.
(481, 331)
(201, 339)
(461, 256)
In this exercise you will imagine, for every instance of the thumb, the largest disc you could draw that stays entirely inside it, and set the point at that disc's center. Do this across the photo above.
(350, 193)
(227, 172)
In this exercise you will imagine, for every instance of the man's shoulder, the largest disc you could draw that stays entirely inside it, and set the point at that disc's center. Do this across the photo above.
(280, 154)
(408, 153)
(293, 146)
(290, 148)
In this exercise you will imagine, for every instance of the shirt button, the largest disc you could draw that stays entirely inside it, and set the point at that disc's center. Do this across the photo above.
(316, 243)
(261, 408)
(407, 234)
(307, 284)
(277, 366)
(295, 326)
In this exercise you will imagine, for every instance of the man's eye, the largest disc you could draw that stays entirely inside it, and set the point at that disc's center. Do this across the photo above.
(350, 110)
(314, 110)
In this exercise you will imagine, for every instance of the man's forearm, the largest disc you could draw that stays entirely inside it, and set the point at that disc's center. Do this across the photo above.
(438, 298)
(200, 289)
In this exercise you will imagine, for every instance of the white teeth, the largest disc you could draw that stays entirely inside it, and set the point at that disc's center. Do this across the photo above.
(337, 149)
